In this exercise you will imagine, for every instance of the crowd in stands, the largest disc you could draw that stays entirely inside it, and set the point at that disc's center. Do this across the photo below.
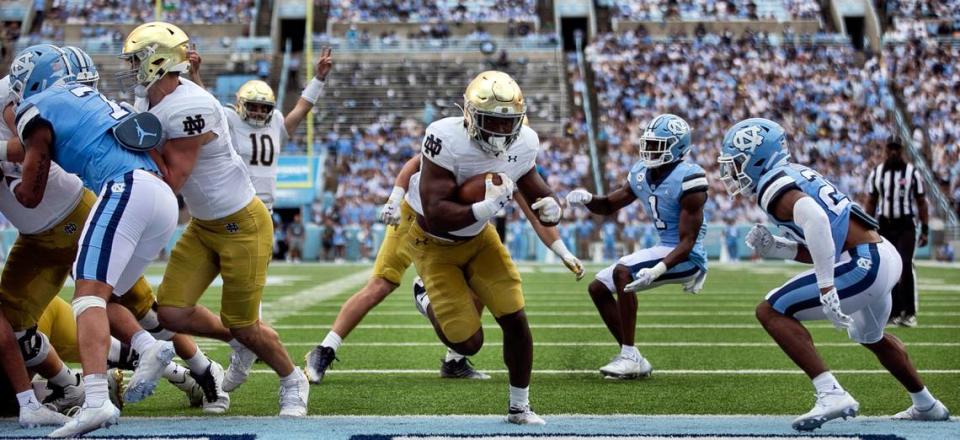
(710, 10)
(916, 18)
(454, 11)
(926, 74)
(832, 107)
(139, 11)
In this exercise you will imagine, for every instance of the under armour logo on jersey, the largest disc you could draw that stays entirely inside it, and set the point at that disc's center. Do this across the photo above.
(432, 146)
(418, 241)
(118, 187)
(512, 158)
(864, 263)
(747, 139)
(193, 125)
(677, 127)
(232, 228)
(70, 228)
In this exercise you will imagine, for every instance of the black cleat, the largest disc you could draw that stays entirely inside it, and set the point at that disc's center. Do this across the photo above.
(317, 362)
(461, 369)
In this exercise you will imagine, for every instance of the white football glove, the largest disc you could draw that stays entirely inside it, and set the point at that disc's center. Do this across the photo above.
(695, 285)
(390, 213)
(571, 261)
(579, 196)
(769, 246)
(549, 209)
(831, 308)
(646, 276)
(495, 198)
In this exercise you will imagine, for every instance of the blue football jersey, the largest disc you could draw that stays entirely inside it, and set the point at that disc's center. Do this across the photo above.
(81, 119)
(661, 200)
(836, 204)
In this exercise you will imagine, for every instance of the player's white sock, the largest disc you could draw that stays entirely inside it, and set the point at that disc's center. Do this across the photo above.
(113, 355)
(923, 400)
(170, 370)
(519, 397)
(65, 377)
(96, 389)
(235, 345)
(826, 382)
(291, 378)
(142, 341)
(453, 356)
(630, 352)
(424, 301)
(333, 340)
(198, 363)
(28, 399)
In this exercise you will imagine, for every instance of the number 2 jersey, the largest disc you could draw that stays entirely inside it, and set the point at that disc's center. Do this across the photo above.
(259, 148)
(661, 201)
(778, 181)
(80, 119)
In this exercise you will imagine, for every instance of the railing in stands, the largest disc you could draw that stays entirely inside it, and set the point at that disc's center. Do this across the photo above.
(448, 44)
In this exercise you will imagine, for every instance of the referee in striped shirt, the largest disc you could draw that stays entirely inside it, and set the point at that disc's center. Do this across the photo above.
(897, 197)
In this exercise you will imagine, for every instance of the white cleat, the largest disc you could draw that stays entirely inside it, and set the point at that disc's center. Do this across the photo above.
(152, 364)
(241, 362)
(180, 377)
(938, 412)
(625, 368)
(40, 416)
(294, 398)
(62, 399)
(830, 405)
(524, 416)
(89, 419)
(215, 400)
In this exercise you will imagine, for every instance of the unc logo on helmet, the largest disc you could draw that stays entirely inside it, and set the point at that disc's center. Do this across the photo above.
(747, 139)
(23, 65)
(665, 140)
(36, 68)
(678, 127)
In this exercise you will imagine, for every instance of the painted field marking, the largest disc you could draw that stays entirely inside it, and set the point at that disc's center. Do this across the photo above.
(288, 304)
(641, 344)
(657, 372)
(585, 326)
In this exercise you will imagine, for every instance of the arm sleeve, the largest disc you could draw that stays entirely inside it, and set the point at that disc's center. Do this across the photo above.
(816, 230)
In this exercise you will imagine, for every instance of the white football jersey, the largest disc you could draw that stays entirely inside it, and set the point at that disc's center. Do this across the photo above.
(219, 184)
(61, 196)
(259, 147)
(446, 144)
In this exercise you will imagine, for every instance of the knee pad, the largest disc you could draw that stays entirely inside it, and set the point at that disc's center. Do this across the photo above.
(151, 324)
(83, 303)
(34, 346)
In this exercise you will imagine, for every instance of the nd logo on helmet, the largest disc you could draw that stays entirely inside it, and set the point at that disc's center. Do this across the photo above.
(748, 139)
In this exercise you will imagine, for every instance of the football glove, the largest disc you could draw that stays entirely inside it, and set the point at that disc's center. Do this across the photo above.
(769, 246)
(571, 261)
(549, 209)
(496, 197)
(579, 196)
(831, 308)
(695, 285)
(646, 276)
(390, 213)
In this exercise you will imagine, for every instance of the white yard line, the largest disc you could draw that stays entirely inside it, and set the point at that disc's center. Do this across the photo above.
(655, 372)
(641, 344)
(538, 312)
(287, 305)
(585, 326)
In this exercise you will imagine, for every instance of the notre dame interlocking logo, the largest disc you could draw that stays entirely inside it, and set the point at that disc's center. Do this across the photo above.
(193, 125)
(232, 228)
(70, 228)
(432, 146)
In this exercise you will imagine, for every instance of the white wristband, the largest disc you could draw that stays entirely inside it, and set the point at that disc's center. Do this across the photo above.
(658, 270)
(559, 248)
(312, 91)
(783, 249)
(396, 196)
(485, 209)
(3, 150)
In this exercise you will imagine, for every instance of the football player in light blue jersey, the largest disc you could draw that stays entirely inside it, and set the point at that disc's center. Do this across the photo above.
(854, 268)
(133, 218)
(673, 193)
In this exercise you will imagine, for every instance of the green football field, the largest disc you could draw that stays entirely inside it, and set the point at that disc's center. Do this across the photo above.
(710, 355)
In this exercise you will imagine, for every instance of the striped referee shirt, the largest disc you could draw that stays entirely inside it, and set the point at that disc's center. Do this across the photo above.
(896, 186)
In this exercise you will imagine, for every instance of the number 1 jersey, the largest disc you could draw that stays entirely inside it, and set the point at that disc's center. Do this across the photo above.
(259, 147)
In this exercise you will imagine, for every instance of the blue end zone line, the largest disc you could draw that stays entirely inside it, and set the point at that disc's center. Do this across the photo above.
(388, 427)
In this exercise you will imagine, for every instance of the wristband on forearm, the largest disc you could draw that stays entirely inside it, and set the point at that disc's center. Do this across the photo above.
(559, 248)
(311, 93)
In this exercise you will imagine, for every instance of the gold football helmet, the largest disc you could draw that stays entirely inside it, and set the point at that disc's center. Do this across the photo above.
(494, 111)
(153, 50)
(255, 103)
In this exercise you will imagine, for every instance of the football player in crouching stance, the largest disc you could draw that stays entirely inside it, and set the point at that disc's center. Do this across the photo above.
(854, 269)
(673, 192)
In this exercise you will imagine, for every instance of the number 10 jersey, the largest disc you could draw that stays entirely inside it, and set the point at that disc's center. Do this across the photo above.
(259, 147)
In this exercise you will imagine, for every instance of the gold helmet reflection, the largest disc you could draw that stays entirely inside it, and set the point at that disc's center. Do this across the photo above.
(153, 50)
(255, 92)
(493, 96)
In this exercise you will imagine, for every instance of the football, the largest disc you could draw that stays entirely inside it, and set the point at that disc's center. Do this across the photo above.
(474, 189)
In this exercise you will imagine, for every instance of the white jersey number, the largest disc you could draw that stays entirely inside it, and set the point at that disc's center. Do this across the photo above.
(656, 213)
(266, 150)
(828, 193)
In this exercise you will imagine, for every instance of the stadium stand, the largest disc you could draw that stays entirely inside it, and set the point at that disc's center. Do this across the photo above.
(139, 11)
(428, 10)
